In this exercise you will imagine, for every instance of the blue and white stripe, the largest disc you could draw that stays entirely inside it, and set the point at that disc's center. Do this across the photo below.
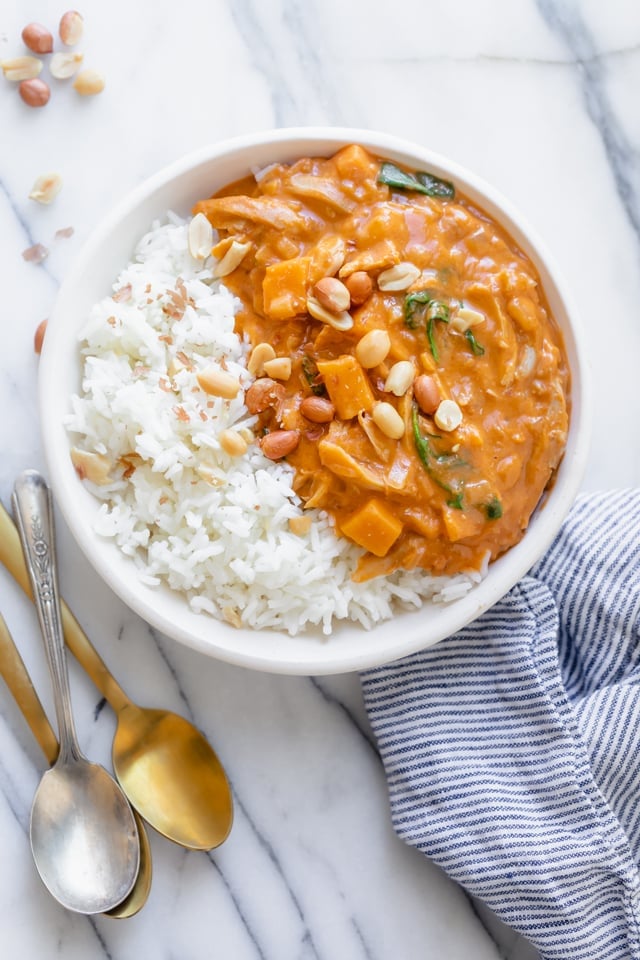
(512, 750)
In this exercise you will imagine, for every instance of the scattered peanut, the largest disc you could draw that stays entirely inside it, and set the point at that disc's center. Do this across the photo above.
(65, 65)
(38, 337)
(427, 394)
(280, 443)
(466, 318)
(91, 466)
(339, 321)
(317, 409)
(21, 68)
(373, 348)
(200, 237)
(262, 394)
(71, 27)
(448, 416)
(37, 38)
(332, 294)
(35, 93)
(399, 277)
(218, 383)
(279, 368)
(400, 378)
(300, 525)
(46, 188)
(88, 83)
(232, 443)
(259, 355)
(386, 418)
(233, 258)
(360, 287)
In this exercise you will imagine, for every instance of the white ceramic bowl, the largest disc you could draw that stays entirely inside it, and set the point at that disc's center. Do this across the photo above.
(108, 250)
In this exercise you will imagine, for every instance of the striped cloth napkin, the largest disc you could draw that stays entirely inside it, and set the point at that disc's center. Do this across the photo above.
(512, 749)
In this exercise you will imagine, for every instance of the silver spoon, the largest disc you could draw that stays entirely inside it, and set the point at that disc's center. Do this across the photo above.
(83, 836)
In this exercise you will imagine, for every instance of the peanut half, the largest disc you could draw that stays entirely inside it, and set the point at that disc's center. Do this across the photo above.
(65, 65)
(339, 321)
(399, 277)
(200, 237)
(218, 383)
(21, 68)
(46, 188)
(233, 258)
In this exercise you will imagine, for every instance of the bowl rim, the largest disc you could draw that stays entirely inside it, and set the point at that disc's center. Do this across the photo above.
(513, 565)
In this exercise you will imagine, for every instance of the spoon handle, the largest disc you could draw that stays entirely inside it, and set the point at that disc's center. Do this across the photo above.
(34, 514)
(12, 558)
(17, 679)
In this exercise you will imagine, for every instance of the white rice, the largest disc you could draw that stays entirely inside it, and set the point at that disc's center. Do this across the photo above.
(223, 541)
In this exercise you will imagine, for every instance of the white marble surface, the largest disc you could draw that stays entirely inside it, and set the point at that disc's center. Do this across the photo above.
(538, 97)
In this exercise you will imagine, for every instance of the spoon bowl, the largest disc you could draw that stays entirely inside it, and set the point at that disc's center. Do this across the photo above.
(172, 777)
(82, 838)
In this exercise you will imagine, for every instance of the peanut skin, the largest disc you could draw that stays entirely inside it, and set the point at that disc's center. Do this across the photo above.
(279, 443)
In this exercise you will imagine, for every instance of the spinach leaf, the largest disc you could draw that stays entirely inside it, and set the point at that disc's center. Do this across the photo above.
(435, 187)
(476, 348)
(430, 460)
(493, 509)
(311, 375)
(420, 182)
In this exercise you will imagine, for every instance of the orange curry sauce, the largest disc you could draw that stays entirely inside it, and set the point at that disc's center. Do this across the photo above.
(438, 499)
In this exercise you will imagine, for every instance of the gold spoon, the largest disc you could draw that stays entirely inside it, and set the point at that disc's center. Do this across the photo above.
(165, 766)
(17, 679)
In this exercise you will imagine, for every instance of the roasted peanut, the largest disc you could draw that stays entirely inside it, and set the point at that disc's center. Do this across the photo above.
(38, 337)
(35, 93)
(339, 321)
(448, 416)
(386, 418)
(262, 394)
(259, 355)
(279, 368)
(400, 378)
(427, 394)
(332, 294)
(359, 285)
(317, 409)
(233, 443)
(71, 27)
(373, 348)
(233, 258)
(37, 38)
(466, 318)
(218, 383)
(398, 277)
(88, 83)
(91, 466)
(200, 237)
(280, 443)
(300, 525)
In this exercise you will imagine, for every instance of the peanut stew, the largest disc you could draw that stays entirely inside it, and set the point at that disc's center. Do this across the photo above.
(407, 365)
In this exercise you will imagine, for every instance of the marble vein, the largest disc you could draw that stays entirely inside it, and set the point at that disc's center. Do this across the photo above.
(565, 20)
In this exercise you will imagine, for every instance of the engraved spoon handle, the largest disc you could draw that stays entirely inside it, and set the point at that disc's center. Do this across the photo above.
(34, 514)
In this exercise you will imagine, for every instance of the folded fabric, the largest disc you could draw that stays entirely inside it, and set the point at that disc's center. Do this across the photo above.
(512, 749)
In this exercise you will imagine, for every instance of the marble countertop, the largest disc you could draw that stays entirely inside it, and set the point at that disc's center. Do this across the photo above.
(540, 98)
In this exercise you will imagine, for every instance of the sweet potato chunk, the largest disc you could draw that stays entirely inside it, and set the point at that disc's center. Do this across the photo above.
(347, 386)
(284, 288)
(373, 527)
